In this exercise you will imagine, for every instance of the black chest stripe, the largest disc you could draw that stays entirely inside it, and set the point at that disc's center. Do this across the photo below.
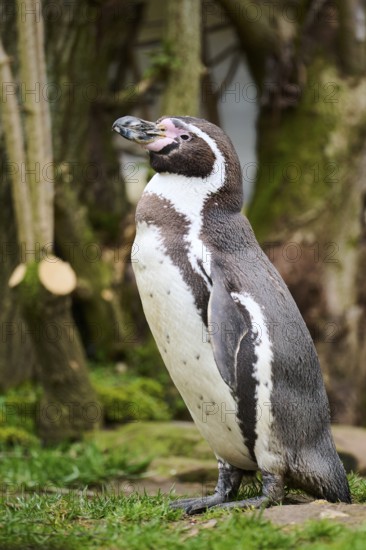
(246, 384)
(174, 228)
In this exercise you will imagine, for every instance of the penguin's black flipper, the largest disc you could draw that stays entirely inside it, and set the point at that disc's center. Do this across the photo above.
(227, 326)
(233, 335)
(231, 332)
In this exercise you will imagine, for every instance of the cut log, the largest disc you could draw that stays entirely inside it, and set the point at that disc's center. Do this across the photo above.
(18, 275)
(57, 276)
(69, 405)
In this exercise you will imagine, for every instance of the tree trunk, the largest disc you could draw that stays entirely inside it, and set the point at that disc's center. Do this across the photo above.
(308, 206)
(69, 405)
(254, 23)
(97, 294)
(62, 370)
(38, 139)
(182, 93)
(16, 353)
(17, 361)
(90, 202)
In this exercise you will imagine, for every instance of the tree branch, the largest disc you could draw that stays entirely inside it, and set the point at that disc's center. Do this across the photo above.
(256, 32)
(32, 72)
(16, 154)
(47, 149)
(128, 98)
(184, 39)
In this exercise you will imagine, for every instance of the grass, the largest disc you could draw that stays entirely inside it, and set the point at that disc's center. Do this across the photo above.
(73, 496)
(140, 522)
(47, 503)
(77, 465)
(358, 488)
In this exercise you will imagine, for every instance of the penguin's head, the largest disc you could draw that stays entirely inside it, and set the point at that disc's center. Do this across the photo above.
(179, 145)
(188, 146)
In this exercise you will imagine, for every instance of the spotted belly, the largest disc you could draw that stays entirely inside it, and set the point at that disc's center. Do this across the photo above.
(182, 340)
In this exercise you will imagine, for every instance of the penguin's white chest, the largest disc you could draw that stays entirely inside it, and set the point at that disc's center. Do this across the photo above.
(182, 340)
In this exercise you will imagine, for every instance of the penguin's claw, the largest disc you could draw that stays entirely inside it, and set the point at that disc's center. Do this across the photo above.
(181, 503)
(257, 502)
(193, 506)
(197, 505)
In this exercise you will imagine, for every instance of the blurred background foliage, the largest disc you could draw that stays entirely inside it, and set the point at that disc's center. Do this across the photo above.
(285, 79)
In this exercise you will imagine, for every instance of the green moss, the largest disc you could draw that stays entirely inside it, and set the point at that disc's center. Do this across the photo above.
(123, 399)
(129, 400)
(146, 361)
(18, 407)
(298, 164)
(163, 61)
(11, 436)
(155, 440)
(106, 224)
(30, 286)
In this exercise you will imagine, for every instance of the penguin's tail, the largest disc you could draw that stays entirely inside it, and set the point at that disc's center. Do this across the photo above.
(336, 488)
(322, 474)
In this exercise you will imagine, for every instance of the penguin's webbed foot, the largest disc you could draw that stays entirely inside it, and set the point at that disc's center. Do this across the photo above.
(272, 493)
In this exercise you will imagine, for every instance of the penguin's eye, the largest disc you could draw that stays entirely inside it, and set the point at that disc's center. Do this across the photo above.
(186, 137)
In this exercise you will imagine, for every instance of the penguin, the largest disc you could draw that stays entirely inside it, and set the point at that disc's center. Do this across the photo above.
(225, 323)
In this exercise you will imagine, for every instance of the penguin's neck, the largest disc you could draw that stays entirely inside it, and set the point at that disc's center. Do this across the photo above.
(186, 195)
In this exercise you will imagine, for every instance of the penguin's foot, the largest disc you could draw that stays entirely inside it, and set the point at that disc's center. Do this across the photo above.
(197, 505)
(227, 488)
(256, 502)
(273, 493)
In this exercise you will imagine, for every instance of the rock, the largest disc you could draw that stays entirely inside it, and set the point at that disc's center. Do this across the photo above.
(185, 469)
(351, 446)
(292, 514)
(182, 439)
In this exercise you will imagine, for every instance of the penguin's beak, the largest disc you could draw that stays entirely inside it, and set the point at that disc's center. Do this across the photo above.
(138, 130)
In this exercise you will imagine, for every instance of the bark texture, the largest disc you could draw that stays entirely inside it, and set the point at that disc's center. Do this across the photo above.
(309, 199)
(61, 366)
(16, 154)
(69, 405)
(183, 40)
(36, 120)
(90, 201)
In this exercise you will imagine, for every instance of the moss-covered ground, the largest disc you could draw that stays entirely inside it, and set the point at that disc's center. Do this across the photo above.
(81, 519)
(91, 494)
(84, 495)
